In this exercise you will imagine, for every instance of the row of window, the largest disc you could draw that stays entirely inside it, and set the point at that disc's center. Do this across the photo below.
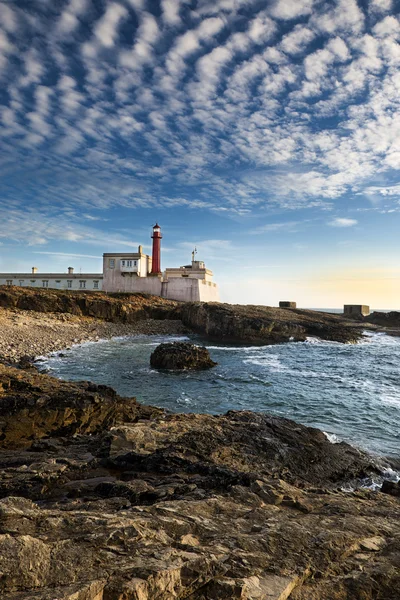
(45, 283)
(124, 263)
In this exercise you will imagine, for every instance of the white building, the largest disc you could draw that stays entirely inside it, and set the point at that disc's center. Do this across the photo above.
(58, 281)
(130, 272)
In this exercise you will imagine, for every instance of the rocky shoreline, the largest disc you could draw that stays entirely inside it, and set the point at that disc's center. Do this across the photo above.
(227, 323)
(30, 334)
(103, 498)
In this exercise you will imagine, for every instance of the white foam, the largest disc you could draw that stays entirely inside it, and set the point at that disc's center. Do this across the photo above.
(391, 398)
(379, 337)
(332, 437)
(271, 362)
(238, 348)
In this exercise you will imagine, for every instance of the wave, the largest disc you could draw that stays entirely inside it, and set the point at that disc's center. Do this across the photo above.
(332, 437)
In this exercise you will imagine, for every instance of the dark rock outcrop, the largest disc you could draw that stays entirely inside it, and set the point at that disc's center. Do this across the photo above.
(389, 319)
(181, 356)
(391, 487)
(246, 324)
(33, 406)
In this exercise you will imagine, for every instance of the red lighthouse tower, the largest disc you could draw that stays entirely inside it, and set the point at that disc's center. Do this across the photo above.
(156, 257)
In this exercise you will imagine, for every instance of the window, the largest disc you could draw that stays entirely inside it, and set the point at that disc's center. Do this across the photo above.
(9, 282)
(111, 264)
(33, 281)
(128, 263)
(82, 284)
(95, 285)
(21, 282)
(45, 283)
(69, 283)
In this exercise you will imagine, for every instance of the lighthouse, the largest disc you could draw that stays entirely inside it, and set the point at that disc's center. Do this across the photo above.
(156, 256)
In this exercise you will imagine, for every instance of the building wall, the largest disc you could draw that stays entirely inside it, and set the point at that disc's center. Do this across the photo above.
(115, 281)
(54, 281)
(191, 290)
(112, 274)
(208, 291)
(356, 309)
(183, 289)
(191, 273)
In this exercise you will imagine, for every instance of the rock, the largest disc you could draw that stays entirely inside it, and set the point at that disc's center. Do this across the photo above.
(389, 319)
(268, 493)
(390, 487)
(259, 325)
(181, 356)
(34, 406)
(373, 544)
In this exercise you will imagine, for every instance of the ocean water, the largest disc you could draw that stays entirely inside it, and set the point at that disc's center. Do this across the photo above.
(352, 392)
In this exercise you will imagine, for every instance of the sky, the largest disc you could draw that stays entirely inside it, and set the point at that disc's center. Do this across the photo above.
(264, 133)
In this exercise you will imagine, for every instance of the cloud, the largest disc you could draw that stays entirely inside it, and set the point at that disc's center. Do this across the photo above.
(343, 222)
(8, 19)
(69, 19)
(68, 254)
(380, 5)
(287, 226)
(106, 29)
(119, 105)
(170, 11)
(291, 9)
(297, 40)
(147, 35)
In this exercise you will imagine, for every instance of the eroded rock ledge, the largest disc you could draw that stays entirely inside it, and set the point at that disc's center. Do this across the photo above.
(104, 499)
(228, 323)
(259, 325)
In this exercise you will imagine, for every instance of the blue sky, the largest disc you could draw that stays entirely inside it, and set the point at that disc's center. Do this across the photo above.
(266, 133)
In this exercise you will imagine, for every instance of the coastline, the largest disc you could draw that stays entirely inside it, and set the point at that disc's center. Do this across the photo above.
(103, 497)
(28, 334)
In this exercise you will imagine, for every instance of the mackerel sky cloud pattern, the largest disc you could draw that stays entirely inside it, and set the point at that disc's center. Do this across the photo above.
(229, 107)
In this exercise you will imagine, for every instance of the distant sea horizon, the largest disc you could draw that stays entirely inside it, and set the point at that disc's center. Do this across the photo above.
(339, 311)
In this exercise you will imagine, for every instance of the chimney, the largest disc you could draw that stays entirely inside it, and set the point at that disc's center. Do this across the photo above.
(34, 270)
(140, 249)
(70, 270)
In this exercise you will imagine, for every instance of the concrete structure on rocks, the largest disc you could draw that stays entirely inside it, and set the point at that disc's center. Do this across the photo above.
(131, 272)
(356, 310)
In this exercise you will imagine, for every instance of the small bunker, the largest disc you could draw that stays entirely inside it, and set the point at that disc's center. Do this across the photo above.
(356, 310)
(286, 304)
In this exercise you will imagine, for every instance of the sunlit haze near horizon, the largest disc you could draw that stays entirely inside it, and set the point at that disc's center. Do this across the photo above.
(264, 133)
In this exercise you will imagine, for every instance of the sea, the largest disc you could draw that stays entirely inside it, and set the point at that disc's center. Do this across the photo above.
(349, 391)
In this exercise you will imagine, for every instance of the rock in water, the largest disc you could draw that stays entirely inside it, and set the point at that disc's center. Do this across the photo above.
(181, 355)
